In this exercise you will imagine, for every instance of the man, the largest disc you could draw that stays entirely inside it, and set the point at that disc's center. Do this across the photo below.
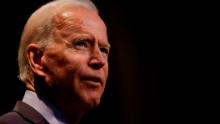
(62, 60)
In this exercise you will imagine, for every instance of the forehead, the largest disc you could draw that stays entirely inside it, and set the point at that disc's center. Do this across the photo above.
(78, 16)
(80, 19)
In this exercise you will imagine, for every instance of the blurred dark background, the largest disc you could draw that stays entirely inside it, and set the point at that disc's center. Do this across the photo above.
(154, 69)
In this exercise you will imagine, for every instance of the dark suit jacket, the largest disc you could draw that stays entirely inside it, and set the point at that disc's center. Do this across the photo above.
(23, 114)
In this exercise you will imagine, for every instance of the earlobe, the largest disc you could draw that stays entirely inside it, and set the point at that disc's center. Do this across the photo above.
(34, 56)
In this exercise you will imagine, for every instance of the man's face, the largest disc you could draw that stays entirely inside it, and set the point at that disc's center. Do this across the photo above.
(76, 61)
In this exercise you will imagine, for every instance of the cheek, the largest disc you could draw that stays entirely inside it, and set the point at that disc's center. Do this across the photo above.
(56, 66)
(69, 68)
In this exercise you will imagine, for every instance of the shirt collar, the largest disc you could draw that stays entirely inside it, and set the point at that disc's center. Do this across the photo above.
(44, 107)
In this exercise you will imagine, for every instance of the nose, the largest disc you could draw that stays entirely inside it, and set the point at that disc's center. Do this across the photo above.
(97, 59)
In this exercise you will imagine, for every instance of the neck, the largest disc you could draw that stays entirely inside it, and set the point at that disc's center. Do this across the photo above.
(30, 86)
(73, 111)
(68, 104)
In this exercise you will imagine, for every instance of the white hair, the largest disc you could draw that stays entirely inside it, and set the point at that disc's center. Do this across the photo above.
(38, 30)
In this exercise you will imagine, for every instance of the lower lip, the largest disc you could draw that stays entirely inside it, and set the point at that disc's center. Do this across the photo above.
(92, 84)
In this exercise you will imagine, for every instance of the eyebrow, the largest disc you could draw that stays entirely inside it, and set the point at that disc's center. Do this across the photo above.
(102, 44)
(107, 45)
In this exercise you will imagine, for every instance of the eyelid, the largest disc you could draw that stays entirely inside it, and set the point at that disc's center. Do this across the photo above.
(89, 43)
(83, 40)
(105, 49)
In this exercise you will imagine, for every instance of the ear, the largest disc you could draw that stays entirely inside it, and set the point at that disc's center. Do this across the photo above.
(34, 56)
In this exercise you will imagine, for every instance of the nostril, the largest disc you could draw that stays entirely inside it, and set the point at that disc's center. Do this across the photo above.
(96, 65)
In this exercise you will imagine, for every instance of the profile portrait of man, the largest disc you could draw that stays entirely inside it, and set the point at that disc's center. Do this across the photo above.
(63, 61)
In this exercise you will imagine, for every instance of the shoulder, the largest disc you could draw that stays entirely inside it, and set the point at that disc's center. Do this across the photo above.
(12, 118)
(22, 114)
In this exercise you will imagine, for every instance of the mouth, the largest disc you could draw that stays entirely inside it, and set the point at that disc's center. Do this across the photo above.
(92, 81)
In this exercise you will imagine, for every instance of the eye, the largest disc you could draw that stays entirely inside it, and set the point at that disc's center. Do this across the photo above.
(82, 43)
(104, 50)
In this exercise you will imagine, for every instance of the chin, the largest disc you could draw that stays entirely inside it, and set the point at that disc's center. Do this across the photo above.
(93, 104)
(92, 100)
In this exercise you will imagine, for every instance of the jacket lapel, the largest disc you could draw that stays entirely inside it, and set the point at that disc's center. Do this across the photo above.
(29, 114)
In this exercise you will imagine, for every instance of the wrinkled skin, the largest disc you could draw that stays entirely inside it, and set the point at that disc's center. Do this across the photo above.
(75, 64)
